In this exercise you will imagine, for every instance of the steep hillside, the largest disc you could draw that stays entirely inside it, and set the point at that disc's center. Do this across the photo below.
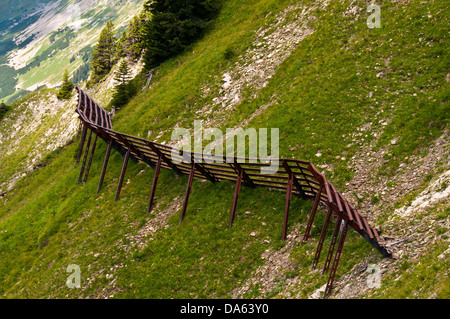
(368, 106)
(38, 125)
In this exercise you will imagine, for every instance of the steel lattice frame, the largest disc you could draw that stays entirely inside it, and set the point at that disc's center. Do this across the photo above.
(296, 177)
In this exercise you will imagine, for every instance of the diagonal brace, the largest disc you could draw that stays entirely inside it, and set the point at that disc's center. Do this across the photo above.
(236, 195)
(122, 174)
(155, 180)
(188, 191)
(286, 207)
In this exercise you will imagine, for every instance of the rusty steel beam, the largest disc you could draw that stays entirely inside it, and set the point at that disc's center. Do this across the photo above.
(205, 172)
(286, 206)
(155, 180)
(82, 140)
(295, 181)
(337, 257)
(122, 175)
(87, 107)
(95, 119)
(312, 214)
(88, 145)
(236, 195)
(305, 175)
(105, 165)
(337, 199)
(88, 168)
(332, 244)
(188, 191)
(347, 207)
(238, 169)
(129, 145)
(357, 216)
(158, 152)
(322, 238)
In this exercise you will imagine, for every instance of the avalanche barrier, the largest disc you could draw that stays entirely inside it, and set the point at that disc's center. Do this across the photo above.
(295, 178)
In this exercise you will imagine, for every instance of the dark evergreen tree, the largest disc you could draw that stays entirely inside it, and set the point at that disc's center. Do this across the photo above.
(120, 49)
(131, 43)
(103, 57)
(82, 73)
(65, 92)
(122, 90)
(3, 109)
(174, 24)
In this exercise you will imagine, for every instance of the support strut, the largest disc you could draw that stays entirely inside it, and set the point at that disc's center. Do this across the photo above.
(88, 145)
(312, 215)
(155, 180)
(122, 175)
(88, 168)
(337, 257)
(332, 244)
(105, 165)
(188, 191)
(236, 195)
(322, 238)
(83, 138)
(286, 206)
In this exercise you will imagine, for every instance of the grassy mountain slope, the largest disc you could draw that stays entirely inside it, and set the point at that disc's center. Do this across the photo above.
(47, 38)
(338, 91)
(37, 125)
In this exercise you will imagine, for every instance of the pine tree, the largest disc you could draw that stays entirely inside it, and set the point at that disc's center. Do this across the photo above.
(120, 49)
(122, 90)
(81, 74)
(134, 41)
(103, 57)
(131, 43)
(3, 109)
(65, 92)
(174, 25)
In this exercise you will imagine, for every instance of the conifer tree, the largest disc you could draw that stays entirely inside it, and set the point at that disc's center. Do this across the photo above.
(134, 37)
(120, 48)
(3, 109)
(81, 74)
(103, 57)
(131, 43)
(65, 92)
(174, 24)
(122, 90)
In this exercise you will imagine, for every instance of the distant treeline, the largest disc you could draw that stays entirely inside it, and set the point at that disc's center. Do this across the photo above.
(3, 110)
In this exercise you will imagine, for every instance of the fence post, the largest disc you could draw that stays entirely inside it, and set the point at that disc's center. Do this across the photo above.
(155, 180)
(122, 175)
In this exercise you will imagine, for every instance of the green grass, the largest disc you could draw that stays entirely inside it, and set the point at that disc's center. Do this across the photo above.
(63, 223)
(426, 278)
(321, 98)
(16, 160)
